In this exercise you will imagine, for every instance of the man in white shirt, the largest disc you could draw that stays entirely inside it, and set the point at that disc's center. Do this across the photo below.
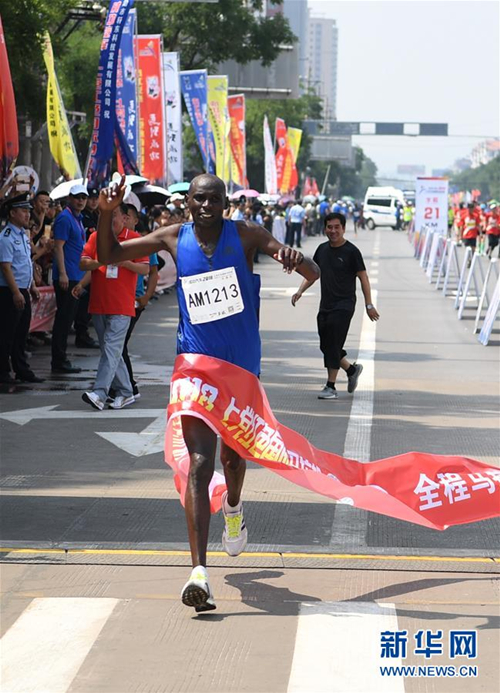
(297, 215)
(239, 212)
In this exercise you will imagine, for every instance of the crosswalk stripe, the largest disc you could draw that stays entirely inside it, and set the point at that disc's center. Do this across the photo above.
(43, 650)
(337, 648)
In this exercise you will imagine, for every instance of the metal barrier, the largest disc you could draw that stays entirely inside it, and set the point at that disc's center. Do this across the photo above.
(439, 258)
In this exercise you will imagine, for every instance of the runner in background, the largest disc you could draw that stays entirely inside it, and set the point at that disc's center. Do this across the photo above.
(492, 229)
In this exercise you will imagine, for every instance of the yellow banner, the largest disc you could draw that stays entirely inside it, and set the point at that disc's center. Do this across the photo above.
(217, 113)
(61, 142)
(294, 139)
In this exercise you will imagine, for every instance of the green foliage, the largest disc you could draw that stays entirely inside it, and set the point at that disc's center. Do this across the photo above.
(207, 34)
(485, 178)
(76, 70)
(24, 24)
(293, 112)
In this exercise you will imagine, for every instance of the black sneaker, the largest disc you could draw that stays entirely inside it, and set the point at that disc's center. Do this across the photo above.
(352, 380)
(65, 368)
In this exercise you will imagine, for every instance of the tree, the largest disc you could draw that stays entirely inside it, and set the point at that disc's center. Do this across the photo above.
(293, 112)
(485, 178)
(202, 33)
(207, 34)
(24, 23)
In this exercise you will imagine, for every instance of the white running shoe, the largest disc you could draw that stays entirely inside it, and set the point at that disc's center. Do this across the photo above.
(94, 400)
(328, 393)
(120, 402)
(196, 592)
(235, 534)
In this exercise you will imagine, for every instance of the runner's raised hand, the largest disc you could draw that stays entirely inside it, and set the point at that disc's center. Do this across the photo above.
(111, 197)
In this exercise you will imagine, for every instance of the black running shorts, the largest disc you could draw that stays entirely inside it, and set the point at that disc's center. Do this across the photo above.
(333, 327)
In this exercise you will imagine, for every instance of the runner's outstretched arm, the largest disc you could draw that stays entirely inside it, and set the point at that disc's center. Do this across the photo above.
(291, 259)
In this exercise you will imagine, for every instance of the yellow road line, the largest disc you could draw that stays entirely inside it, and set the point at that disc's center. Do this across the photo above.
(255, 554)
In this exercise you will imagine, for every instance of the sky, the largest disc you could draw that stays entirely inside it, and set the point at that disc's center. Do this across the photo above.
(418, 61)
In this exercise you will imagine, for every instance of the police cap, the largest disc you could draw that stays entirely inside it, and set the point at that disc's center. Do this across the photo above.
(22, 201)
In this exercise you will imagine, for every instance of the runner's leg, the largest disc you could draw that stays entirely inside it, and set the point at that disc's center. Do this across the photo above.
(234, 471)
(201, 443)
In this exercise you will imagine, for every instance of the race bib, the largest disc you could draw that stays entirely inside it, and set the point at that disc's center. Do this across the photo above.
(111, 272)
(212, 295)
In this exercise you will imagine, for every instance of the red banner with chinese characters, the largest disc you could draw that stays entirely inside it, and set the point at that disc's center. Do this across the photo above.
(436, 491)
(237, 136)
(9, 136)
(151, 109)
(43, 311)
(284, 157)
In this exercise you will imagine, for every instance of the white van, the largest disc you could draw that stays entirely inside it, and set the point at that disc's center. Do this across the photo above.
(379, 207)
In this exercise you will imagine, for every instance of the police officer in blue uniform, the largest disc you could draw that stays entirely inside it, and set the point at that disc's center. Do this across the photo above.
(16, 285)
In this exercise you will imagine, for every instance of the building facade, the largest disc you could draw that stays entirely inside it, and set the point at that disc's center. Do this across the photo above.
(322, 60)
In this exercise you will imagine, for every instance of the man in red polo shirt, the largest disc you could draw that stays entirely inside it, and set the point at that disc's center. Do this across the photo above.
(112, 304)
(492, 223)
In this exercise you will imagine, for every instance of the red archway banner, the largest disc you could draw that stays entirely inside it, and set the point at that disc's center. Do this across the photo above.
(436, 491)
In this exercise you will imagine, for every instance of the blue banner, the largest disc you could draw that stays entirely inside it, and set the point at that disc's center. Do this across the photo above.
(126, 92)
(127, 159)
(102, 142)
(194, 91)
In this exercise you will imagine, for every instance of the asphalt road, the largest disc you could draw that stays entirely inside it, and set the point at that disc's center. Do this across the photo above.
(93, 532)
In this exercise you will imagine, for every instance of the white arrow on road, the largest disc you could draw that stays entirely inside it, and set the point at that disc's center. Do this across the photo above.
(24, 416)
(147, 442)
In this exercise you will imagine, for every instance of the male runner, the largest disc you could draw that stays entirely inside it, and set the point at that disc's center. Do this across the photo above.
(207, 245)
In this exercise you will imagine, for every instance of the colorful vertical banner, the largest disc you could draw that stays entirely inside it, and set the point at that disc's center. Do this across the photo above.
(270, 161)
(294, 140)
(431, 204)
(237, 138)
(61, 142)
(102, 141)
(173, 110)
(217, 86)
(194, 92)
(284, 157)
(9, 135)
(151, 108)
(310, 187)
(126, 92)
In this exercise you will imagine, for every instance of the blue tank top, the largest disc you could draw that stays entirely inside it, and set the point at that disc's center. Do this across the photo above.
(234, 338)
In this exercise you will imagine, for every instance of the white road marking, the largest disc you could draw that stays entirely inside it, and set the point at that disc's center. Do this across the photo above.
(338, 649)
(24, 416)
(43, 650)
(284, 290)
(358, 436)
(147, 442)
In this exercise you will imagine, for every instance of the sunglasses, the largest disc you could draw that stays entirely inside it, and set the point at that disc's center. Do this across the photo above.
(80, 197)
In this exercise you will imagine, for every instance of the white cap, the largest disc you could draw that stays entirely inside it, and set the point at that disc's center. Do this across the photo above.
(132, 199)
(177, 196)
(78, 189)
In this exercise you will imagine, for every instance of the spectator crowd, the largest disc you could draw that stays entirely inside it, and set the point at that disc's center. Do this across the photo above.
(49, 243)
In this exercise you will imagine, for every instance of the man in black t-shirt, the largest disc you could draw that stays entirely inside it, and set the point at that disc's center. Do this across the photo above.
(340, 263)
